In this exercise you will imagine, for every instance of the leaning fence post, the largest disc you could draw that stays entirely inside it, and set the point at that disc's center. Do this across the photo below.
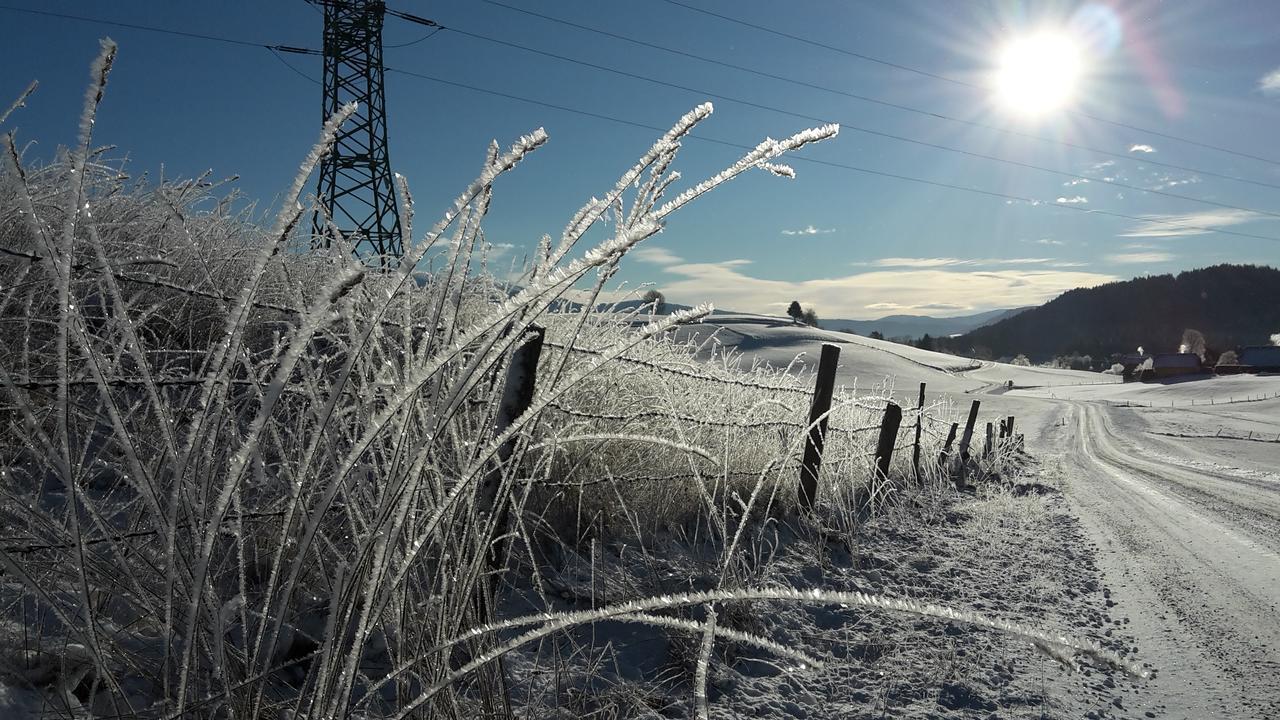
(915, 452)
(824, 386)
(884, 445)
(965, 441)
(517, 394)
(946, 447)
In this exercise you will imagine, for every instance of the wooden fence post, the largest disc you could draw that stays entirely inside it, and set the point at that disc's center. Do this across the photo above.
(986, 449)
(824, 387)
(885, 444)
(967, 438)
(915, 452)
(1009, 430)
(965, 441)
(946, 447)
(517, 394)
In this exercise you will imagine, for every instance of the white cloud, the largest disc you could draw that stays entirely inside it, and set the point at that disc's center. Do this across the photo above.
(1190, 223)
(940, 306)
(1075, 181)
(1134, 258)
(1269, 84)
(809, 230)
(919, 262)
(900, 262)
(869, 294)
(1141, 148)
(1165, 181)
(1048, 241)
(656, 255)
(1073, 200)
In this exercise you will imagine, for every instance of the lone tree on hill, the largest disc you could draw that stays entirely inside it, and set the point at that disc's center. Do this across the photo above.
(657, 300)
(811, 317)
(795, 311)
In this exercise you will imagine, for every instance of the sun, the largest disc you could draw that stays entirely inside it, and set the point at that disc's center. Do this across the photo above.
(1038, 74)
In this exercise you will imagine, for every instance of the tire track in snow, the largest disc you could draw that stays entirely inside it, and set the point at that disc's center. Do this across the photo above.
(1199, 587)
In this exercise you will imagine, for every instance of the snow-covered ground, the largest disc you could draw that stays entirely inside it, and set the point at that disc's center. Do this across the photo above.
(868, 363)
(1176, 489)
(1195, 390)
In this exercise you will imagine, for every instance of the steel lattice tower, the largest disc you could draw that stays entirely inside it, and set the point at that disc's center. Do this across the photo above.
(356, 186)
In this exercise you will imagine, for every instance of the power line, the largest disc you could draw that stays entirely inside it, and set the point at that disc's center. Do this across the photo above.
(659, 129)
(877, 101)
(424, 38)
(844, 166)
(150, 28)
(289, 65)
(856, 128)
(962, 83)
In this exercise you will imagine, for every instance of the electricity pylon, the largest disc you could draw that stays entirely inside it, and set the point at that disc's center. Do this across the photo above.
(356, 187)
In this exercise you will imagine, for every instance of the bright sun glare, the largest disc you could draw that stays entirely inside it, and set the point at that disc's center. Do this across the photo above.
(1037, 74)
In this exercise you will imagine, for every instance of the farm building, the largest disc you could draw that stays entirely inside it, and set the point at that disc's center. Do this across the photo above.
(1166, 365)
(1131, 364)
(1260, 358)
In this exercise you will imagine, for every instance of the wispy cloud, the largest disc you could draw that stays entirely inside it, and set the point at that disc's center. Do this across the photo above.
(1073, 200)
(1135, 258)
(1075, 181)
(1165, 181)
(656, 255)
(1269, 84)
(907, 262)
(1104, 170)
(1047, 241)
(1142, 148)
(937, 306)
(497, 250)
(1190, 223)
(868, 294)
(809, 230)
(918, 262)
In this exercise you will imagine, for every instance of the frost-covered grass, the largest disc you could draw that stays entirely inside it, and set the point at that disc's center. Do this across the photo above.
(241, 478)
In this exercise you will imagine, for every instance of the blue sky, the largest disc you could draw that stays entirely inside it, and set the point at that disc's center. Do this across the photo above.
(850, 244)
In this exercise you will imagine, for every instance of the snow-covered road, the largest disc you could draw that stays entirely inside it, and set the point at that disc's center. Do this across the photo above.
(1190, 552)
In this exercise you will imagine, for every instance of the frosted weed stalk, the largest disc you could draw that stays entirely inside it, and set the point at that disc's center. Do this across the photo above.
(241, 479)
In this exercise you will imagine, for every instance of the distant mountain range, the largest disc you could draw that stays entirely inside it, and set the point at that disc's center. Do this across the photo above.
(916, 326)
(1232, 305)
